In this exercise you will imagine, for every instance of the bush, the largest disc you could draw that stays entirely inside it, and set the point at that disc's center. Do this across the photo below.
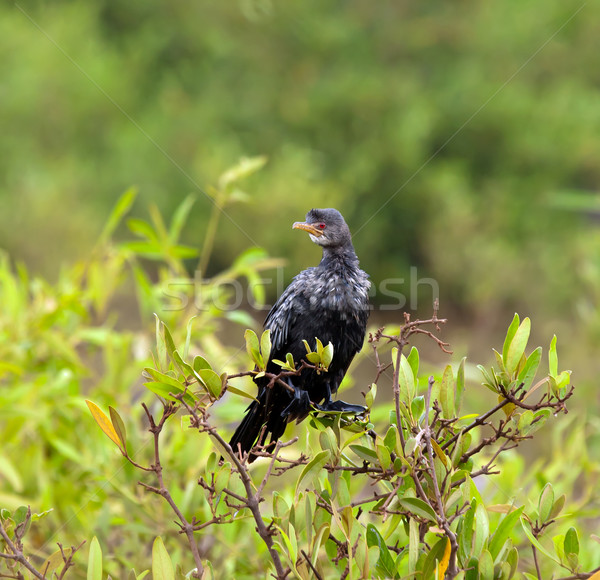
(428, 485)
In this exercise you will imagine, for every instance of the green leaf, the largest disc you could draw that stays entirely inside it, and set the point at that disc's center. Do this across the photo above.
(240, 392)
(162, 378)
(168, 392)
(180, 217)
(571, 544)
(327, 355)
(122, 206)
(413, 360)
(200, 363)
(94, 571)
(385, 562)
(418, 507)
(406, 380)
(545, 502)
(539, 419)
(558, 506)
(413, 545)
(466, 532)
(503, 531)
(553, 358)
(528, 372)
(517, 346)
(312, 469)
(253, 348)
(142, 229)
(212, 380)
(512, 329)
(486, 566)
(265, 345)
(364, 453)
(482, 530)
(162, 566)
(119, 426)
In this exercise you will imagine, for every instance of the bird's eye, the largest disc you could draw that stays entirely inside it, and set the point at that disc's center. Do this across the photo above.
(321, 226)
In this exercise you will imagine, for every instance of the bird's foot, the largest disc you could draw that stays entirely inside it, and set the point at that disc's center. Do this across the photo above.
(341, 407)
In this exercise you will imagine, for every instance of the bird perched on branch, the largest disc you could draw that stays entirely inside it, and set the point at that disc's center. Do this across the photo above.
(329, 302)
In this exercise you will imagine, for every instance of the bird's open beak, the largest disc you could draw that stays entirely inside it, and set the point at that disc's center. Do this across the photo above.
(307, 228)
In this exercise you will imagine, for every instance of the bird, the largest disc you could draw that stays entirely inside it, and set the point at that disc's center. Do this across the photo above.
(330, 302)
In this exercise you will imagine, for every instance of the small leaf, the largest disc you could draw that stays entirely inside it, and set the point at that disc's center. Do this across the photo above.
(517, 346)
(418, 507)
(546, 502)
(528, 372)
(406, 380)
(447, 393)
(212, 380)
(558, 506)
(253, 348)
(240, 392)
(200, 363)
(312, 469)
(386, 561)
(122, 206)
(94, 570)
(265, 345)
(482, 530)
(512, 329)
(571, 542)
(413, 360)
(104, 422)
(438, 451)
(503, 531)
(364, 453)
(486, 566)
(553, 358)
(119, 427)
(327, 355)
(162, 566)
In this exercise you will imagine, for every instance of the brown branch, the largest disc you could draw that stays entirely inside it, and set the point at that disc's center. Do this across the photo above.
(186, 527)
(452, 569)
(17, 552)
(253, 498)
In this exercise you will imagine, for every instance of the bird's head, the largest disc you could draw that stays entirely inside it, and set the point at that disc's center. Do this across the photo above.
(326, 228)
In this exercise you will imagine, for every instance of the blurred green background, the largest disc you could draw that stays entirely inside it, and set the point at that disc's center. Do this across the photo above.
(457, 138)
(460, 138)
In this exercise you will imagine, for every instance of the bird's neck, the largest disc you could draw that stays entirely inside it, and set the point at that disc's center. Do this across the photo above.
(344, 255)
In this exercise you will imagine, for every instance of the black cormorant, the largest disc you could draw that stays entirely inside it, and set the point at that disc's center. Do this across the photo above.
(329, 302)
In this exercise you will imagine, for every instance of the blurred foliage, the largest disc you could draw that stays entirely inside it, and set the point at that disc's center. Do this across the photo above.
(61, 344)
(442, 131)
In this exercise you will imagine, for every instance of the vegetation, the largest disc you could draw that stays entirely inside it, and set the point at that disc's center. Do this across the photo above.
(457, 139)
(428, 482)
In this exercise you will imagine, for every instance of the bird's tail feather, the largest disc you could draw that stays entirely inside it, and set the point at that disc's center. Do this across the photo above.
(249, 429)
